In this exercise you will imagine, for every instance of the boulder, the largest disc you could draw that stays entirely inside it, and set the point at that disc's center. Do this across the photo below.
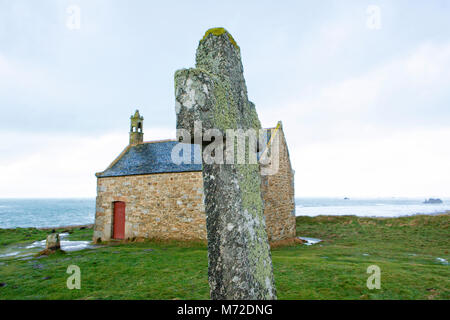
(53, 242)
(52, 245)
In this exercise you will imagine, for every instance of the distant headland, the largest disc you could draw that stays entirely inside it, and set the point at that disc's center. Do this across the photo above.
(432, 200)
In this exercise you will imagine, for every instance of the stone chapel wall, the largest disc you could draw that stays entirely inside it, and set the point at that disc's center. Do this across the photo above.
(278, 197)
(170, 205)
(162, 206)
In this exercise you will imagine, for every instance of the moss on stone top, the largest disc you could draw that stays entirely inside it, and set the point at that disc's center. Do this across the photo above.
(218, 32)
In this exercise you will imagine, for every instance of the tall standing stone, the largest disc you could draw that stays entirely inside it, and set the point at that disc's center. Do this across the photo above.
(215, 93)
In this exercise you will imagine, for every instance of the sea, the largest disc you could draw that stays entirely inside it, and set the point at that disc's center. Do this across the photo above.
(40, 213)
(376, 207)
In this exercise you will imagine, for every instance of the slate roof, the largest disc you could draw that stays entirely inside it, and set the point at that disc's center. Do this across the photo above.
(155, 157)
(147, 158)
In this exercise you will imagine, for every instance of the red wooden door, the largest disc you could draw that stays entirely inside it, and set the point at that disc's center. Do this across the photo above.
(119, 220)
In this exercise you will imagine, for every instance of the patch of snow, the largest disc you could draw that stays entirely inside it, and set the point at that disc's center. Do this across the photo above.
(66, 245)
(310, 241)
(14, 253)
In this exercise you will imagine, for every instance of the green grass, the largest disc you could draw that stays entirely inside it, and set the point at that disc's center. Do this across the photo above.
(404, 248)
(25, 235)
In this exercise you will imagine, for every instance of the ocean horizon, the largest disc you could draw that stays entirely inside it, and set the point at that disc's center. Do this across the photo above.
(58, 212)
(368, 207)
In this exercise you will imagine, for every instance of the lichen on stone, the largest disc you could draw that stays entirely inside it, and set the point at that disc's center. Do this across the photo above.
(215, 93)
(218, 32)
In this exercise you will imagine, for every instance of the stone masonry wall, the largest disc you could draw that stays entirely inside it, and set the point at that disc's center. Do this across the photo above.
(162, 206)
(170, 205)
(278, 196)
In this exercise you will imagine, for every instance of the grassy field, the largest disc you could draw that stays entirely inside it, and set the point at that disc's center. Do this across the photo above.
(406, 250)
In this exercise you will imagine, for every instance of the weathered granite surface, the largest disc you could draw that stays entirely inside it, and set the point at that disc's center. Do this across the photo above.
(136, 129)
(157, 206)
(215, 93)
(52, 242)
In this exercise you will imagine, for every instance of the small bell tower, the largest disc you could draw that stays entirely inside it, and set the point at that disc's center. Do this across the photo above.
(137, 128)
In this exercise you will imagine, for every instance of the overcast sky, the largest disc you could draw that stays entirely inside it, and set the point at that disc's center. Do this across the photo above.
(362, 88)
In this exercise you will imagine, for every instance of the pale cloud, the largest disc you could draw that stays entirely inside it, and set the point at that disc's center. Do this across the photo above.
(350, 102)
(413, 164)
(429, 66)
(338, 148)
(349, 97)
(16, 75)
(60, 165)
(27, 81)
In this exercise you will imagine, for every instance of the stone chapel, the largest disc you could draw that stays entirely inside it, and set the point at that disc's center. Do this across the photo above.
(144, 195)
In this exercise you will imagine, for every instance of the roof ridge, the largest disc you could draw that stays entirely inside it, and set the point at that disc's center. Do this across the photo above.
(158, 141)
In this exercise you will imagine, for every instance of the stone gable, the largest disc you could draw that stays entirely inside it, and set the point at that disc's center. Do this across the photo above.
(171, 205)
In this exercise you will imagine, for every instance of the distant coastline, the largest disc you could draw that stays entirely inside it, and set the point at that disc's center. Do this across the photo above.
(369, 207)
(80, 212)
